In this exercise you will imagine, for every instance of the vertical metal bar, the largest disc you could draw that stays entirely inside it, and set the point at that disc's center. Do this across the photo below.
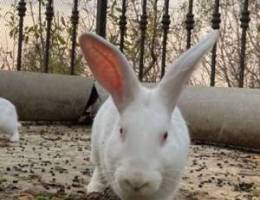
(122, 25)
(245, 19)
(165, 26)
(101, 19)
(189, 23)
(21, 12)
(49, 16)
(74, 21)
(213, 66)
(143, 24)
(216, 20)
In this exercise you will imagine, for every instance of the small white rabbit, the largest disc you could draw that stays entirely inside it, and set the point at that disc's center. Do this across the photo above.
(140, 140)
(8, 120)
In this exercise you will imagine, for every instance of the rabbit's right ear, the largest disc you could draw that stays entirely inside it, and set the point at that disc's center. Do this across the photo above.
(110, 68)
(180, 71)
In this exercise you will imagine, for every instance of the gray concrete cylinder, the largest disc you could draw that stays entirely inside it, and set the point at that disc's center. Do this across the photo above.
(46, 97)
(228, 116)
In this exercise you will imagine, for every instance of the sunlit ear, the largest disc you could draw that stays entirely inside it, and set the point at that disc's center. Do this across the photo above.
(110, 68)
(180, 71)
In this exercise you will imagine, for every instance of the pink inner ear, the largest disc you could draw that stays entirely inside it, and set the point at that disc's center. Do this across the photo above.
(105, 63)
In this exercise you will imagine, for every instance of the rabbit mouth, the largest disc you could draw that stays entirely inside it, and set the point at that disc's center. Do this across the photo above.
(130, 185)
(137, 197)
(132, 195)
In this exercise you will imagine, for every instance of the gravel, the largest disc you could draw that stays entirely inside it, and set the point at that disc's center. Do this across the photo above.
(52, 163)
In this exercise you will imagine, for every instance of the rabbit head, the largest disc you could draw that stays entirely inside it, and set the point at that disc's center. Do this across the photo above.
(145, 152)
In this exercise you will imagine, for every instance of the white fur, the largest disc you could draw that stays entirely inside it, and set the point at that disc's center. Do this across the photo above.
(138, 165)
(8, 120)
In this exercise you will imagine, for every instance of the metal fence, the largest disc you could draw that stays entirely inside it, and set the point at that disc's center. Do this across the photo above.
(101, 30)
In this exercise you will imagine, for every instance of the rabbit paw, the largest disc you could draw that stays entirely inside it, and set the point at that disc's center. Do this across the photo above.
(14, 138)
(95, 184)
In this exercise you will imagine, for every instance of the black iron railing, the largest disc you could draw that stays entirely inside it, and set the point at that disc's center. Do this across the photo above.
(143, 25)
(101, 17)
(165, 26)
(74, 21)
(101, 22)
(245, 19)
(21, 12)
(49, 16)
(122, 25)
(189, 23)
(216, 19)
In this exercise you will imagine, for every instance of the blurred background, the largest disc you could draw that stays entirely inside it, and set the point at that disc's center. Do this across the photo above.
(228, 51)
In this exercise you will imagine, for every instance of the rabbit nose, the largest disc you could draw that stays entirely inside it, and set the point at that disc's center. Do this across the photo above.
(139, 181)
(141, 184)
(135, 185)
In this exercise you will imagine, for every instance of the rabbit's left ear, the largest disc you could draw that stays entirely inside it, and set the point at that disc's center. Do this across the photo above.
(180, 71)
(110, 68)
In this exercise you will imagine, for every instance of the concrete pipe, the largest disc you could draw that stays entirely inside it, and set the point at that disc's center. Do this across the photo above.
(228, 116)
(46, 97)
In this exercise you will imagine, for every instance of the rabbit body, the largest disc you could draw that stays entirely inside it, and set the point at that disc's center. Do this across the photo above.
(140, 141)
(8, 120)
(108, 155)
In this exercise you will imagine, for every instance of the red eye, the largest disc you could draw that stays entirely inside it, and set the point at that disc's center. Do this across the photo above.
(122, 133)
(164, 137)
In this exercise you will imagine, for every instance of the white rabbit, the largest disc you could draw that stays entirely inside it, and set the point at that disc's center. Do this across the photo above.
(140, 140)
(8, 120)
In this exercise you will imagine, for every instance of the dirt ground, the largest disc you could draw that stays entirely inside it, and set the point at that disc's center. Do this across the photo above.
(52, 162)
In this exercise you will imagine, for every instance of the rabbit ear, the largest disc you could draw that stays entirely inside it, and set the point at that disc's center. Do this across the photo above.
(110, 68)
(180, 71)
